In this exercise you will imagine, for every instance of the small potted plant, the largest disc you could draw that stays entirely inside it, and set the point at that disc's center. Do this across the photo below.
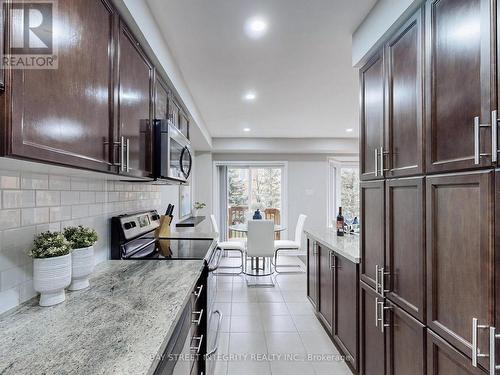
(51, 267)
(82, 242)
(197, 207)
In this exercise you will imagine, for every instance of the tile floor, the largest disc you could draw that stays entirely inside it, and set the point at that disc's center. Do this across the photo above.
(272, 330)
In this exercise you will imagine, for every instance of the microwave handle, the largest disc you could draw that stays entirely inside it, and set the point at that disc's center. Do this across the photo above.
(186, 174)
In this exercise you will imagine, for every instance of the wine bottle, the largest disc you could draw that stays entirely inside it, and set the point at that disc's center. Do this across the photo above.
(340, 223)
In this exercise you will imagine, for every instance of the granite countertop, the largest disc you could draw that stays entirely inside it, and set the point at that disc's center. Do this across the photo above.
(347, 246)
(120, 325)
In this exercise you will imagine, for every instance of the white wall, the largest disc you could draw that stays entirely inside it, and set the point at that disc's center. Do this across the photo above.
(307, 185)
(385, 17)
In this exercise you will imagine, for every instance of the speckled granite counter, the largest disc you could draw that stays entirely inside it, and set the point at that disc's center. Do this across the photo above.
(347, 246)
(117, 326)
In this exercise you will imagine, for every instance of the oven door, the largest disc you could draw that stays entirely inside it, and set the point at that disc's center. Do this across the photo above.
(180, 158)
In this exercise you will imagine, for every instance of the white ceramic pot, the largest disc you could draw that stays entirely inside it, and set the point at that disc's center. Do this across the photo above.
(50, 277)
(82, 266)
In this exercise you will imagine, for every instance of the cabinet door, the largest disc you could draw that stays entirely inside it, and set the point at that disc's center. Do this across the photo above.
(460, 259)
(405, 340)
(161, 99)
(135, 106)
(63, 115)
(404, 100)
(345, 328)
(457, 83)
(443, 359)
(184, 124)
(372, 230)
(372, 360)
(372, 116)
(174, 110)
(325, 307)
(312, 272)
(405, 244)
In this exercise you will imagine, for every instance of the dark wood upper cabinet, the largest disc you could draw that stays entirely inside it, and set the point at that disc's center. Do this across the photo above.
(372, 117)
(404, 102)
(312, 272)
(174, 111)
(372, 232)
(135, 91)
(184, 124)
(443, 359)
(371, 341)
(325, 283)
(460, 258)
(458, 84)
(405, 244)
(345, 294)
(162, 93)
(405, 343)
(63, 115)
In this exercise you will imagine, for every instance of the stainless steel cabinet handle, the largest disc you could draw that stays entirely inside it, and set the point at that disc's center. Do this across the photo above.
(216, 345)
(198, 291)
(380, 313)
(381, 155)
(197, 349)
(376, 312)
(383, 274)
(200, 315)
(376, 163)
(494, 135)
(476, 352)
(332, 260)
(384, 324)
(122, 154)
(477, 140)
(493, 337)
(377, 271)
(128, 155)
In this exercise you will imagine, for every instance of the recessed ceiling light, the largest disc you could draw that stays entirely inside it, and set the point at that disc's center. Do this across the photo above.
(246, 130)
(349, 130)
(250, 95)
(255, 27)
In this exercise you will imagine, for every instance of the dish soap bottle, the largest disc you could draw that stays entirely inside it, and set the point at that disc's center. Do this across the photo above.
(340, 223)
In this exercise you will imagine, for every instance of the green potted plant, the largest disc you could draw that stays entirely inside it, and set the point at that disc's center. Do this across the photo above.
(51, 267)
(197, 206)
(81, 240)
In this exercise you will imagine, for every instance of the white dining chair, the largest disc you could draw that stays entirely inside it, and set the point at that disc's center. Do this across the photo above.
(238, 246)
(290, 245)
(260, 246)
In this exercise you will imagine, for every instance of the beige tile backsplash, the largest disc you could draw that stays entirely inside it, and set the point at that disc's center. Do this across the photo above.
(34, 202)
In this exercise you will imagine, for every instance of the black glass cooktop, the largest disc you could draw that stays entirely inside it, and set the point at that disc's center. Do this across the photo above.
(151, 248)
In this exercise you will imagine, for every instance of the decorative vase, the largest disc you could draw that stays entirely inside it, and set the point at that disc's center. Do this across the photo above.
(195, 212)
(82, 266)
(50, 277)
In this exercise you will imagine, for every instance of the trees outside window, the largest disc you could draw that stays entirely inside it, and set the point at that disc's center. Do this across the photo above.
(349, 187)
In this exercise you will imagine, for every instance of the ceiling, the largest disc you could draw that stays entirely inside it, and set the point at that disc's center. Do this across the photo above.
(300, 69)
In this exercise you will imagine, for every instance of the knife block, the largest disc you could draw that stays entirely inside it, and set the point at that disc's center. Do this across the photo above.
(163, 231)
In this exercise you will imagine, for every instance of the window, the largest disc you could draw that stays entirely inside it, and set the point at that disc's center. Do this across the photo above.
(349, 192)
(250, 189)
(343, 191)
(243, 187)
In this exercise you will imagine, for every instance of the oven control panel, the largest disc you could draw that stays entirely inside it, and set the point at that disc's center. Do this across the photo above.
(140, 223)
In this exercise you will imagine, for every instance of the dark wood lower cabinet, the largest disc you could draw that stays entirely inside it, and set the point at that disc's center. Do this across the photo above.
(345, 302)
(405, 343)
(312, 273)
(443, 359)
(371, 342)
(372, 230)
(326, 286)
(405, 244)
(460, 258)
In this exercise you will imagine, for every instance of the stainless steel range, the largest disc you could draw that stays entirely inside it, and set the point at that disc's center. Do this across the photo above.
(133, 238)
